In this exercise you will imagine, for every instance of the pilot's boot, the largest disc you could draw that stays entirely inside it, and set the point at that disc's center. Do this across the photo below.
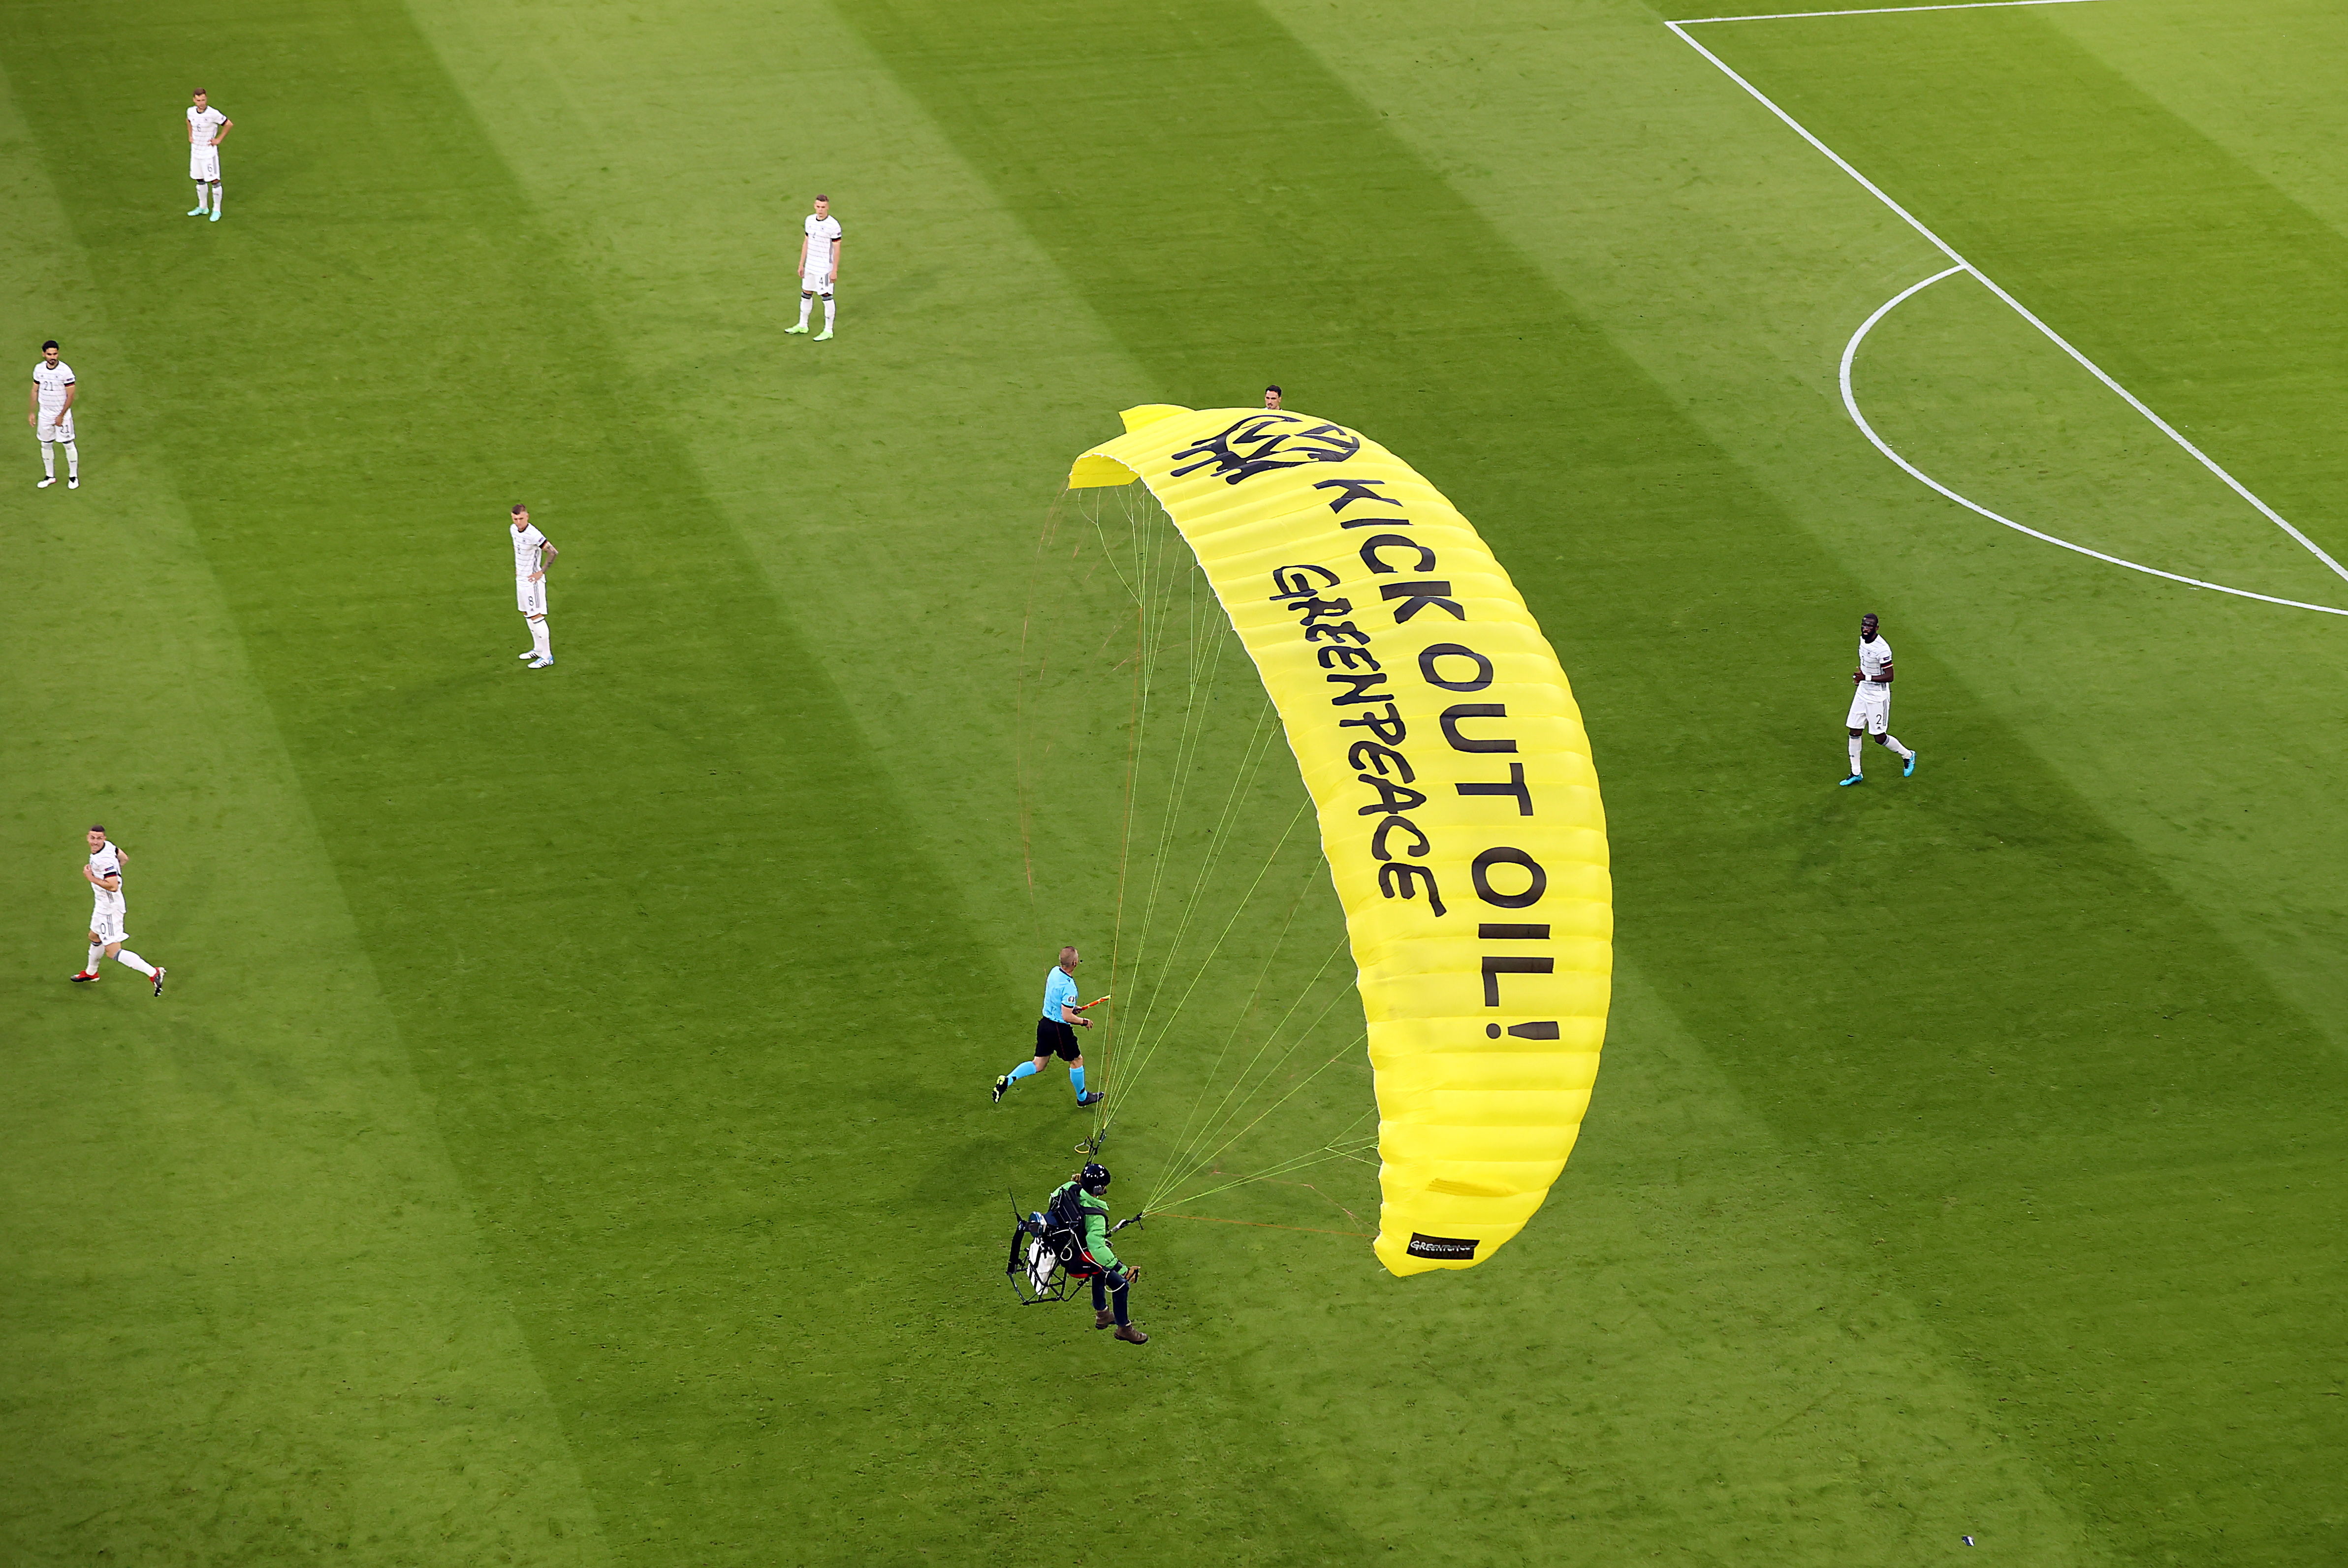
(1103, 1317)
(1131, 1335)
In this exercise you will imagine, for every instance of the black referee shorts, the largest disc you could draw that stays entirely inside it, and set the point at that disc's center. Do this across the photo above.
(1054, 1038)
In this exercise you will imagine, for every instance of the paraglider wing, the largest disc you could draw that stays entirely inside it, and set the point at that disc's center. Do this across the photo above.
(1458, 806)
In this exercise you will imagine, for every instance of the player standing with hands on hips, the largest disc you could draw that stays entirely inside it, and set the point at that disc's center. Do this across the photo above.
(533, 554)
(207, 128)
(52, 417)
(1871, 705)
(818, 265)
(1056, 1031)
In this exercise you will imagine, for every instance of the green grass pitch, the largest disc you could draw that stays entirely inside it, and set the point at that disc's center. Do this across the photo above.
(565, 1141)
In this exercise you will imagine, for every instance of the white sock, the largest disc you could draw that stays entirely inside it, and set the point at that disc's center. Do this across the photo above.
(1893, 741)
(807, 303)
(201, 189)
(539, 640)
(73, 461)
(135, 962)
(216, 197)
(50, 458)
(96, 954)
(1854, 756)
(829, 310)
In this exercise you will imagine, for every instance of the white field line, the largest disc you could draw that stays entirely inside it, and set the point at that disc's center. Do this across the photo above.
(1850, 404)
(1873, 11)
(2057, 339)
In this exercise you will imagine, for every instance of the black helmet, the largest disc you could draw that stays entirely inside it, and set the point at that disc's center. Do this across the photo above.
(1094, 1180)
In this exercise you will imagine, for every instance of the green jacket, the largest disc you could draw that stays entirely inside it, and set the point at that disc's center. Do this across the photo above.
(1096, 1213)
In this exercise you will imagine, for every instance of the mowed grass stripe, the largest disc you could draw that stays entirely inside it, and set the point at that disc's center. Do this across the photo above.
(2194, 281)
(248, 1316)
(2169, 262)
(633, 916)
(898, 477)
(1698, 1255)
(848, 1340)
(1736, 282)
(1968, 998)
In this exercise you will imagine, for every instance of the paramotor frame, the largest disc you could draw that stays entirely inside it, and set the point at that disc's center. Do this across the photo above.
(1047, 1257)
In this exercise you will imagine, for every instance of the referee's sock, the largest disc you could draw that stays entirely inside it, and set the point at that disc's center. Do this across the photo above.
(1077, 1076)
(1025, 1070)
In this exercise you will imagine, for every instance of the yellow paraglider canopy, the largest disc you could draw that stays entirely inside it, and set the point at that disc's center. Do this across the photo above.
(1458, 809)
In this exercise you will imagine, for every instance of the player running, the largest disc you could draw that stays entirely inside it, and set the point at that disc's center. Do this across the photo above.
(207, 128)
(1056, 1031)
(533, 554)
(818, 266)
(104, 873)
(1871, 705)
(52, 417)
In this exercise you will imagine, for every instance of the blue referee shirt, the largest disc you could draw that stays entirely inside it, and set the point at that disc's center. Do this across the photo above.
(1059, 991)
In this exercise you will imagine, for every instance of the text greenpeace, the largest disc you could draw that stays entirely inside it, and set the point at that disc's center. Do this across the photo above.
(1365, 700)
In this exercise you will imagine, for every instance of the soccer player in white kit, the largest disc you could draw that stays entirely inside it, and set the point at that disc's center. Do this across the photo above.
(533, 554)
(207, 128)
(104, 873)
(1871, 705)
(818, 266)
(52, 417)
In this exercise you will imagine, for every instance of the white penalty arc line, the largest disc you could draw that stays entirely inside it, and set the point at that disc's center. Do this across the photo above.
(1851, 405)
(2057, 339)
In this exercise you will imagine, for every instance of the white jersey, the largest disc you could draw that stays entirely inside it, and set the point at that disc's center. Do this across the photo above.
(820, 233)
(106, 862)
(526, 545)
(1874, 658)
(203, 124)
(53, 380)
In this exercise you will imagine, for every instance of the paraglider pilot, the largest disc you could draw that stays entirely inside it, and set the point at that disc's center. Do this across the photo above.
(1086, 1200)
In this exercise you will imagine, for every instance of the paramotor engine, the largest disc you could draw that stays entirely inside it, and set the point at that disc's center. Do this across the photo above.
(1047, 1249)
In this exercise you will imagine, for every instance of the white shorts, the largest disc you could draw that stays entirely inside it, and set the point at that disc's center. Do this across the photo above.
(1871, 708)
(203, 161)
(815, 282)
(530, 598)
(108, 924)
(48, 432)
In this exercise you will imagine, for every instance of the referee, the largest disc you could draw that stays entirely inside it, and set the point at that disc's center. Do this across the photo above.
(1056, 1031)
